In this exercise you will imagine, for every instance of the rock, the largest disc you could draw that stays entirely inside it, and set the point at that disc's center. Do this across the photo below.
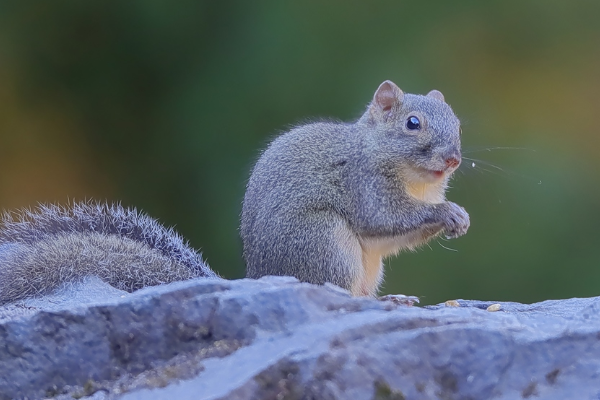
(276, 338)
(90, 291)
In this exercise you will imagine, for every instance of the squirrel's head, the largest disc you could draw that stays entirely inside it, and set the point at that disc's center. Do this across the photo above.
(418, 135)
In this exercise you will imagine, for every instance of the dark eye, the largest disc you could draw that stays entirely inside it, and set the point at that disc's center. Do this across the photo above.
(413, 123)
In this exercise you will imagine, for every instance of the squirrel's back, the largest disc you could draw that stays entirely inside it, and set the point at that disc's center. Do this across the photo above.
(42, 249)
(308, 156)
(298, 178)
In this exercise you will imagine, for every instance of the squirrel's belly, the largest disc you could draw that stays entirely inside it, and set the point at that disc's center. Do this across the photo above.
(371, 275)
(373, 252)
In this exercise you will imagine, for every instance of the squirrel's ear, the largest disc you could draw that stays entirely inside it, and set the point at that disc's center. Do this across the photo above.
(387, 96)
(436, 94)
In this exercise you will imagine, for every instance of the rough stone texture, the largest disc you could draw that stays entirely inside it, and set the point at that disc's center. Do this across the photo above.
(276, 338)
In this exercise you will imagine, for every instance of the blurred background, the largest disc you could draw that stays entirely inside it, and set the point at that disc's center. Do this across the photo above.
(165, 106)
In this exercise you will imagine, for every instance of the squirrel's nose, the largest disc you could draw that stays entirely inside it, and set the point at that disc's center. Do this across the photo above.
(453, 159)
(452, 162)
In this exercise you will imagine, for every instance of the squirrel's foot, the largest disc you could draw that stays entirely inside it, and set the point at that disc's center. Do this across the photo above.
(399, 299)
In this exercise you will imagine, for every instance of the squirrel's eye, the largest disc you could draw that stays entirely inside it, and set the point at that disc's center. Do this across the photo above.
(413, 123)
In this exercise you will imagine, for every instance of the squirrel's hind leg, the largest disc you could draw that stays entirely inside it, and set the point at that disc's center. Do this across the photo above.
(324, 250)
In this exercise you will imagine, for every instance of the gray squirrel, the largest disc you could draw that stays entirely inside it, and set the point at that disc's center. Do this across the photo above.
(325, 203)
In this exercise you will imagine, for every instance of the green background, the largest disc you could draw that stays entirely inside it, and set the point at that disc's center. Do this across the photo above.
(165, 106)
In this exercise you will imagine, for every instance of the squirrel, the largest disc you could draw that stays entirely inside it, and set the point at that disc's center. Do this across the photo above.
(324, 203)
(327, 201)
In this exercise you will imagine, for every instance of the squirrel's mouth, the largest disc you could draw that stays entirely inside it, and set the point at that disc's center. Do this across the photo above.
(424, 175)
(432, 174)
(437, 174)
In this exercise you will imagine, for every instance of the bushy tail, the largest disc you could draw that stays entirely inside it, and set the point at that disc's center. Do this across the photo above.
(43, 248)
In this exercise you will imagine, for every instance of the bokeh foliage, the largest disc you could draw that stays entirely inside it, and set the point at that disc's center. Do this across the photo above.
(166, 105)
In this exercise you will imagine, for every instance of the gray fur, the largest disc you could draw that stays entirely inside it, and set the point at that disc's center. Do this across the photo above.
(41, 249)
(322, 192)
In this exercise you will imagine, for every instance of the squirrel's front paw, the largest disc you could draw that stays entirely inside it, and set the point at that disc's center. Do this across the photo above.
(456, 221)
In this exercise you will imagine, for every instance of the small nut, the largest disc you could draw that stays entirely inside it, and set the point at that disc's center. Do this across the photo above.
(452, 303)
(494, 307)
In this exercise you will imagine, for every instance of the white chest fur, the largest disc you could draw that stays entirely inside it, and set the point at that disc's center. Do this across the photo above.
(433, 193)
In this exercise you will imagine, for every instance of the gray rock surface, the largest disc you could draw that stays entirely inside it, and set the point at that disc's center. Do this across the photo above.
(90, 291)
(275, 338)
